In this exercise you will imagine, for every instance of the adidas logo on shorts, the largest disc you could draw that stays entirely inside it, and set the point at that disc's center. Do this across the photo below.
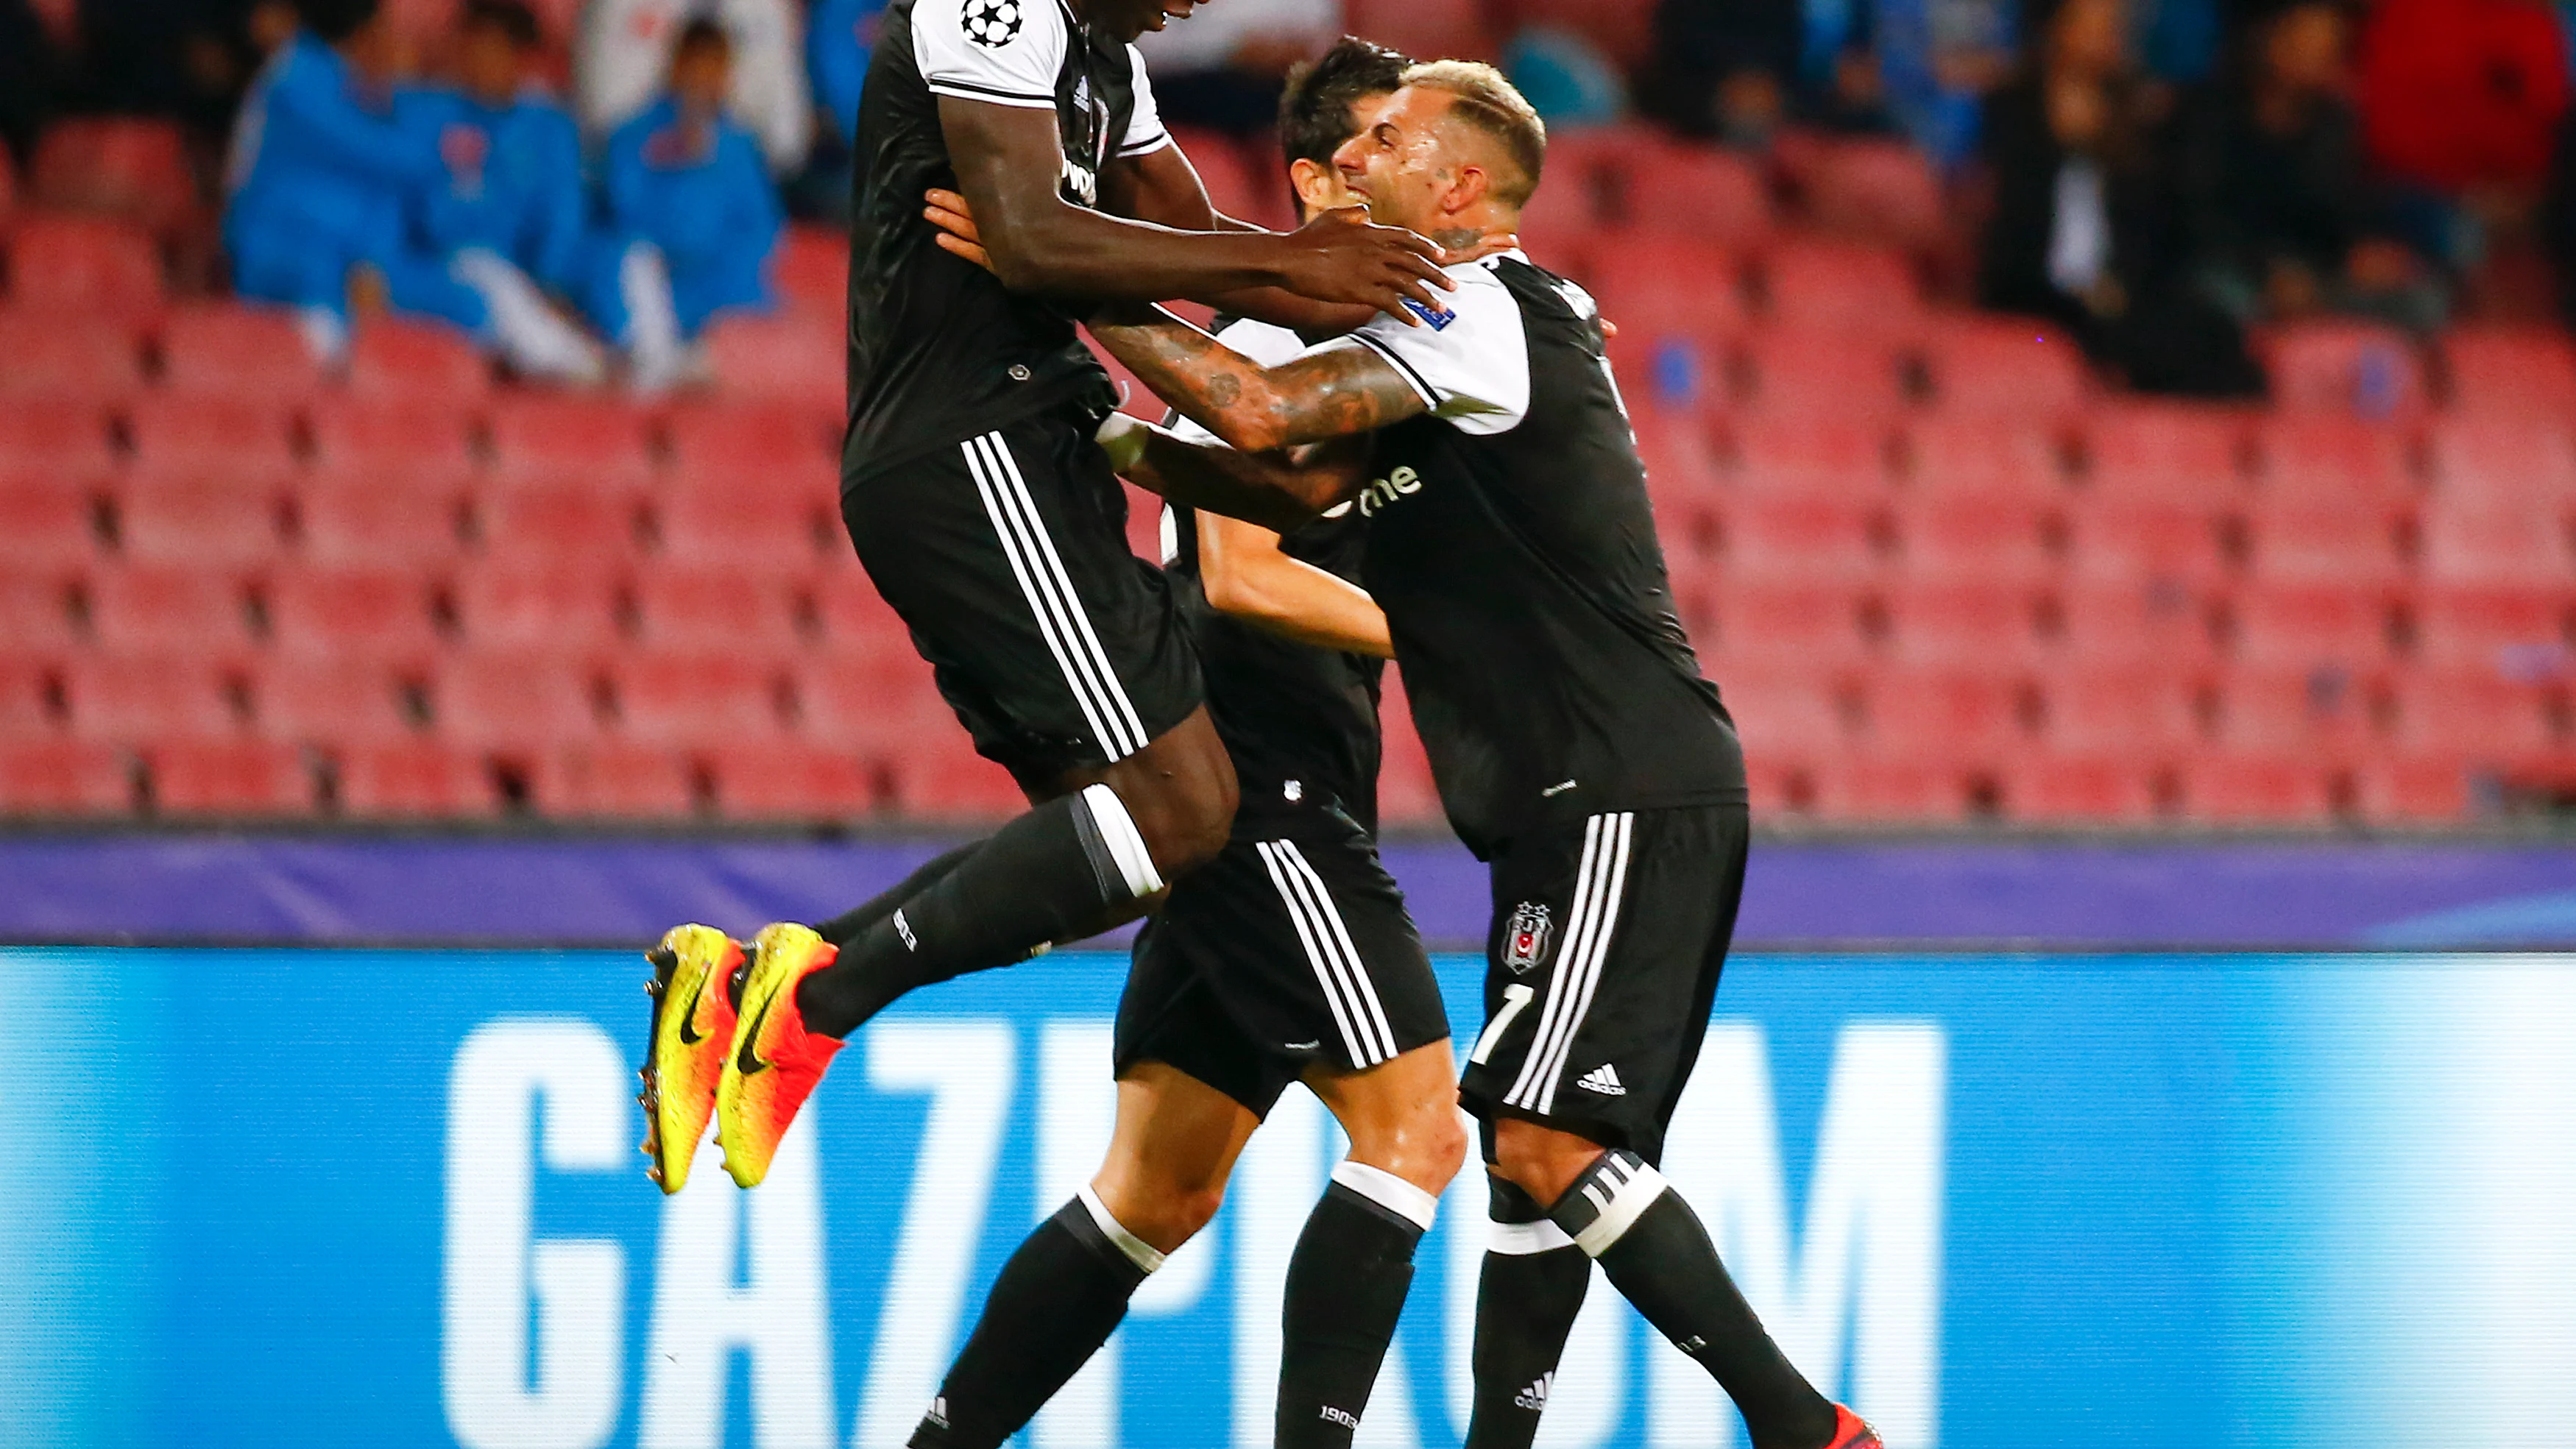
(1534, 1398)
(1603, 1079)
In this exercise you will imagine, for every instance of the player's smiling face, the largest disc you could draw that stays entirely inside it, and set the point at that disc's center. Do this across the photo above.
(1397, 166)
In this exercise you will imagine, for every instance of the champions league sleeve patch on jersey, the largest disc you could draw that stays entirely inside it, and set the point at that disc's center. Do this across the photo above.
(1525, 939)
(993, 24)
(1438, 317)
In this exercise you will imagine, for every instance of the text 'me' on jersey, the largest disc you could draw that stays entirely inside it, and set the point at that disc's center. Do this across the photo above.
(939, 350)
(1511, 544)
(1295, 717)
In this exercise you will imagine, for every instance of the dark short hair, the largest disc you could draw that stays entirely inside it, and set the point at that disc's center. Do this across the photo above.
(512, 18)
(702, 31)
(1315, 108)
(334, 21)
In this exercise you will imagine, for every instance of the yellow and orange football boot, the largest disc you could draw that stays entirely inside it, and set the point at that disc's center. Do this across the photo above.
(775, 1061)
(693, 1021)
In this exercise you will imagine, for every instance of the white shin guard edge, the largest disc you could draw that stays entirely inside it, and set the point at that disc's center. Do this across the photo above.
(1138, 1251)
(1389, 1192)
(1620, 1207)
(1125, 842)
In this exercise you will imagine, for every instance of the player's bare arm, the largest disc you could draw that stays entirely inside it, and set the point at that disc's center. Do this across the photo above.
(1246, 574)
(1010, 163)
(1279, 491)
(1330, 394)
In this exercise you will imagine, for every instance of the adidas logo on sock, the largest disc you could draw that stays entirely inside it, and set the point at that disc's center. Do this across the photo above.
(1534, 1398)
(1603, 1079)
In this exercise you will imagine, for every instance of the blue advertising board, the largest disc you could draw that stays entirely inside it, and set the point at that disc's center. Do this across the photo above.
(393, 1199)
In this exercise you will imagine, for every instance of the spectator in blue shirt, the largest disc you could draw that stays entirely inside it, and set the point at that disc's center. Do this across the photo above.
(690, 181)
(840, 38)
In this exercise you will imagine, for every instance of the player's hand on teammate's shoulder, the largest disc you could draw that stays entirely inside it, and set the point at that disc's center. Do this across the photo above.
(1341, 256)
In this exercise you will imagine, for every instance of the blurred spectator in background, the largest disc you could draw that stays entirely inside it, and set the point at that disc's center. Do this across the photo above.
(1725, 69)
(840, 37)
(2080, 228)
(2460, 101)
(626, 47)
(1937, 59)
(1223, 66)
(28, 66)
(1851, 97)
(2283, 222)
(687, 178)
(1564, 76)
(2180, 40)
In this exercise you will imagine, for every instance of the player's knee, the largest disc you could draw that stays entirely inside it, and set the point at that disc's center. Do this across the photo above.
(1538, 1160)
(1176, 1214)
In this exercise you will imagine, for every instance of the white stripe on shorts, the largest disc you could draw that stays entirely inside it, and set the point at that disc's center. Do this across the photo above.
(1336, 962)
(1599, 881)
(1043, 581)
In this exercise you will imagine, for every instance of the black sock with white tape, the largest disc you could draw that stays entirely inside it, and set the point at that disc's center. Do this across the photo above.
(1070, 868)
(1057, 1301)
(844, 928)
(1346, 1287)
(1652, 1247)
(1532, 1287)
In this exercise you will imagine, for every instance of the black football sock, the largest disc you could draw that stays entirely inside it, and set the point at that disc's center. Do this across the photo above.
(1069, 868)
(1531, 1289)
(1346, 1286)
(1652, 1247)
(844, 928)
(1057, 1301)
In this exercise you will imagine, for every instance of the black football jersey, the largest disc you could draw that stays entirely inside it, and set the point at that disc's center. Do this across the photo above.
(939, 350)
(1510, 541)
(1300, 721)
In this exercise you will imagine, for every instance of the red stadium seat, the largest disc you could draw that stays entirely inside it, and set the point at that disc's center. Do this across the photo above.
(1802, 458)
(88, 267)
(124, 166)
(615, 780)
(1989, 623)
(2095, 790)
(8, 189)
(64, 777)
(2357, 542)
(875, 707)
(135, 699)
(792, 782)
(597, 441)
(2415, 791)
(2005, 367)
(1789, 712)
(1805, 539)
(1684, 479)
(173, 607)
(1841, 287)
(771, 527)
(1787, 619)
(559, 524)
(36, 613)
(80, 365)
(46, 526)
(795, 358)
(514, 700)
(756, 446)
(2332, 460)
(1690, 190)
(2503, 463)
(2526, 545)
(1879, 191)
(714, 609)
(1860, 788)
(53, 442)
(1984, 457)
(2321, 714)
(1407, 795)
(2511, 373)
(2514, 633)
(1997, 538)
(941, 778)
(389, 445)
(1781, 788)
(411, 779)
(2494, 723)
(692, 701)
(2357, 369)
(255, 354)
(342, 524)
(1624, 31)
(339, 702)
(2312, 626)
(2120, 541)
(2166, 452)
(1658, 285)
(1239, 184)
(1825, 377)
(1425, 27)
(812, 270)
(224, 525)
(1950, 714)
(538, 607)
(421, 363)
(857, 622)
(2148, 711)
(214, 436)
(2112, 624)
(359, 613)
(2242, 790)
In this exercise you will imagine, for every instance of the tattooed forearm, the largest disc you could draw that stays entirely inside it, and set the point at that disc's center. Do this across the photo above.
(1331, 394)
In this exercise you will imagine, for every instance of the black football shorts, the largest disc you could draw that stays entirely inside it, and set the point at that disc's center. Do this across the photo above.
(1006, 556)
(1601, 968)
(1290, 948)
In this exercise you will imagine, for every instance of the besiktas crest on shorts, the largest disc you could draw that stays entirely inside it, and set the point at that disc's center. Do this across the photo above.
(994, 23)
(1525, 938)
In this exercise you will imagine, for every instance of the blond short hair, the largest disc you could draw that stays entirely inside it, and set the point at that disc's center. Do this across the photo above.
(1480, 96)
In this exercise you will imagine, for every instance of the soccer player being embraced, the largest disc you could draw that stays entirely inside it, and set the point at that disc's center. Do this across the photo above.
(1577, 748)
(1288, 958)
